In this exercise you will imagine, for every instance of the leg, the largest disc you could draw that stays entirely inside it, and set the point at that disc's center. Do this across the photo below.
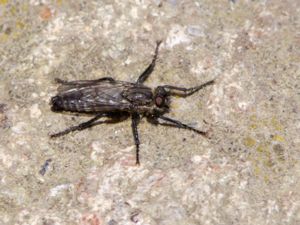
(81, 126)
(77, 82)
(150, 68)
(174, 123)
(184, 92)
(135, 118)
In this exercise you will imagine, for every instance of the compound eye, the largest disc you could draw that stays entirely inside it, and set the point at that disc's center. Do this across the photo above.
(159, 101)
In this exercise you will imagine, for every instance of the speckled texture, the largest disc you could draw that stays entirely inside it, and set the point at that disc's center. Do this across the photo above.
(248, 172)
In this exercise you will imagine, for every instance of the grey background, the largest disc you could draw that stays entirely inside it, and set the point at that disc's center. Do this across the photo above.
(246, 173)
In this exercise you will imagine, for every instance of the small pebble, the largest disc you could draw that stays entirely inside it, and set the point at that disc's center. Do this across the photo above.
(173, 2)
(59, 188)
(177, 36)
(35, 112)
(195, 31)
(196, 159)
(19, 128)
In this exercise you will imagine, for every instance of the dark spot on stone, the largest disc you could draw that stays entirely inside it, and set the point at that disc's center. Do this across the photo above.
(279, 150)
(3, 117)
(8, 31)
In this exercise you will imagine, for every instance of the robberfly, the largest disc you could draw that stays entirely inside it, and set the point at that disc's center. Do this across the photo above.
(118, 100)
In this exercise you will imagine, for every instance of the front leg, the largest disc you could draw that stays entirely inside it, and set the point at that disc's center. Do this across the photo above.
(184, 92)
(135, 119)
(166, 121)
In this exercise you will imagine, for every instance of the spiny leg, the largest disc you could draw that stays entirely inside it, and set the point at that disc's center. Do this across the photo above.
(184, 92)
(80, 126)
(135, 118)
(176, 123)
(150, 68)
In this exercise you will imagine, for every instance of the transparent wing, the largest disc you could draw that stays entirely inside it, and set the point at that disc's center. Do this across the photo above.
(94, 97)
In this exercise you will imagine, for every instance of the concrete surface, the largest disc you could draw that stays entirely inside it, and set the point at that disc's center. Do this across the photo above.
(248, 172)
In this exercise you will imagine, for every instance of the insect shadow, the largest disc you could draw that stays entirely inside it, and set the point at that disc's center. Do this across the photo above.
(119, 100)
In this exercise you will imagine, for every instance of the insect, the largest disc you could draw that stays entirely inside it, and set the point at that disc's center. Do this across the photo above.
(119, 100)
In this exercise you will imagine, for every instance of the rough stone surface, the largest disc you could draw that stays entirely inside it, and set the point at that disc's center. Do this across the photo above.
(248, 172)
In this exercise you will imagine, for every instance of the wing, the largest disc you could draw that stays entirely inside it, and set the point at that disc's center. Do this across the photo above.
(66, 85)
(104, 96)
